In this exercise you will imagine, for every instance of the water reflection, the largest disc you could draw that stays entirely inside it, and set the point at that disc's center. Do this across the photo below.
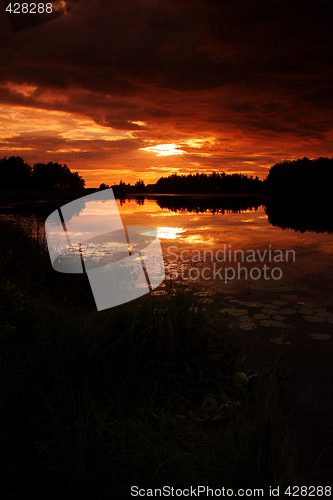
(38, 209)
(301, 214)
(188, 227)
(192, 225)
(211, 205)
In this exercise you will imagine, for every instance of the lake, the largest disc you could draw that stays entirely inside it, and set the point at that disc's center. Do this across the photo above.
(229, 241)
(266, 264)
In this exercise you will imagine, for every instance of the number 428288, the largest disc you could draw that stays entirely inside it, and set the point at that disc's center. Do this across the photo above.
(29, 8)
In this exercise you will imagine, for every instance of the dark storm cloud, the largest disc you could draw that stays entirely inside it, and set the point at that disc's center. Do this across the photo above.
(56, 142)
(118, 46)
(235, 69)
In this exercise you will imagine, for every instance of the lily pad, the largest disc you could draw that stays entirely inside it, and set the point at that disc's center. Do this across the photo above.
(272, 306)
(279, 317)
(268, 311)
(247, 326)
(325, 315)
(255, 304)
(320, 336)
(314, 319)
(306, 311)
(280, 302)
(234, 312)
(310, 305)
(242, 312)
(287, 311)
(261, 316)
(279, 341)
(289, 297)
(246, 319)
(273, 322)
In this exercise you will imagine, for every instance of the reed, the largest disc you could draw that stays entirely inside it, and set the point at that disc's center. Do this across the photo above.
(143, 394)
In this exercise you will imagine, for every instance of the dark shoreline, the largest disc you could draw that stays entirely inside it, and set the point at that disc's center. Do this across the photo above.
(297, 213)
(23, 196)
(97, 395)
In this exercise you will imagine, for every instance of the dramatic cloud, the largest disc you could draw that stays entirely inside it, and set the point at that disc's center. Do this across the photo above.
(129, 89)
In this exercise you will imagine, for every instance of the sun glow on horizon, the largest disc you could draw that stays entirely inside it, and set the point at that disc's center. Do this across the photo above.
(182, 147)
(165, 150)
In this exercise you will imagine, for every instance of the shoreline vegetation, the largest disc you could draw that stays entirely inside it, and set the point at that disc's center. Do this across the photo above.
(297, 213)
(150, 393)
(297, 178)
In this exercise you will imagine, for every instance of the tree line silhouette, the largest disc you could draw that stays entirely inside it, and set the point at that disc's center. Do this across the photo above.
(213, 183)
(303, 177)
(16, 174)
(123, 188)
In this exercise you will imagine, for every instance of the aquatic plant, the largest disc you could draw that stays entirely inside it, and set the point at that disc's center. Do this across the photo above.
(144, 393)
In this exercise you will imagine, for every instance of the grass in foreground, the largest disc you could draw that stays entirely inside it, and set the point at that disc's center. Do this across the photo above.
(144, 394)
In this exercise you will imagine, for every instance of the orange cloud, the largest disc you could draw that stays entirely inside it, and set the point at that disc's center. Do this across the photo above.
(109, 87)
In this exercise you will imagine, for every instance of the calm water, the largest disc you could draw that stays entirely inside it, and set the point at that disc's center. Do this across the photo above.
(294, 300)
(228, 242)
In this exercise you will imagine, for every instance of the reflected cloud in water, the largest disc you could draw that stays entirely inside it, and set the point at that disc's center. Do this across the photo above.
(240, 223)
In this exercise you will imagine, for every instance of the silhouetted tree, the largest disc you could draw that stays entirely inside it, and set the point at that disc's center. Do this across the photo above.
(303, 177)
(203, 183)
(76, 182)
(53, 176)
(104, 186)
(139, 186)
(15, 173)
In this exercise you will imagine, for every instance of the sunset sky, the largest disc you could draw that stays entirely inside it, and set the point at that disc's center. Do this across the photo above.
(132, 90)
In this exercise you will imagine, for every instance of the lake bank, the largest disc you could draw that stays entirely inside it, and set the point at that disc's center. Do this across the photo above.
(152, 391)
(68, 195)
(187, 230)
(280, 322)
